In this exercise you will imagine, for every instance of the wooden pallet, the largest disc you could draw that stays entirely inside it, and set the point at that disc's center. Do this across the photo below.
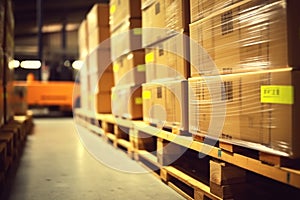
(186, 185)
(264, 157)
(173, 129)
(142, 150)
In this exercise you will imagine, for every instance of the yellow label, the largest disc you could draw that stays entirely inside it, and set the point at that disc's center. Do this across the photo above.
(112, 9)
(113, 96)
(149, 57)
(279, 94)
(141, 68)
(138, 101)
(146, 94)
(137, 31)
(116, 67)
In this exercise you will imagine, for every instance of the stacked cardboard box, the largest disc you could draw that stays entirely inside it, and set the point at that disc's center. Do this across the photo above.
(83, 42)
(128, 58)
(125, 27)
(97, 26)
(249, 43)
(165, 30)
(163, 19)
(8, 50)
(165, 104)
(96, 75)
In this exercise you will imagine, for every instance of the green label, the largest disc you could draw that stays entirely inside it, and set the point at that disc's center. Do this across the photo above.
(141, 68)
(277, 94)
(137, 31)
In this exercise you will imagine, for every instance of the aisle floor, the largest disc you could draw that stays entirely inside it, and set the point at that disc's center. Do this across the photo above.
(56, 165)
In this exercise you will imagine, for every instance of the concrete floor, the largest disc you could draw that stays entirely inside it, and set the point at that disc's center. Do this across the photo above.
(55, 165)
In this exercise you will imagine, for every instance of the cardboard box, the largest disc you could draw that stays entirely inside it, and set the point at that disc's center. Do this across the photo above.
(154, 109)
(167, 59)
(215, 100)
(164, 18)
(176, 104)
(222, 173)
(165, 104)
(127, 101)
(130, 69)
(99, 61)
(97, 36)
(101, 83)
(126, 38)
(102, 102)
(221, 44)
(124, 9)
(83, 77)
(265, 112)
(153, 16)
(83, 42)
(84, 99)
(177, 15)
(98, 16)
(240, 38)
(203, 8)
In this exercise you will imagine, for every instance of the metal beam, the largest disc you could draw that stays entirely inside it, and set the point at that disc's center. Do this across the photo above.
(39, 9)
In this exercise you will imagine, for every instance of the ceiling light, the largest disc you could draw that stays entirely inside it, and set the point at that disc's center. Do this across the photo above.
(31, 64)
(13, 64)
(77, 64)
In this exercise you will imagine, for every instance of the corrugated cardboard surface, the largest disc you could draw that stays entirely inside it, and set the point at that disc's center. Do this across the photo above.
(99, 61)
(272, 124)
(102, 102)
(167, 59)
(130, 69)
(250, 36)
(127, 101)
(98, 35)
(165, 104)
(98, 16)
(203, 8)
(83, 42)
(126, 38)
(125, 9)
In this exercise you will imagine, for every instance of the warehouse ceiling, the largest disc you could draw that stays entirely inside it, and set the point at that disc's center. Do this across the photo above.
(54, 12)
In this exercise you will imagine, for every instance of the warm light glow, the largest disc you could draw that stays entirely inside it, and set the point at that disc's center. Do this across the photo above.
(77, 64)
(31, 64)
(130, 56)
(13, 64)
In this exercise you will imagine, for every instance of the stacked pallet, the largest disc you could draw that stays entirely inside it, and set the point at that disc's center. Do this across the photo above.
(165, 30)
(243, 87)
(128, 58)
(7, 55)
(13, 129)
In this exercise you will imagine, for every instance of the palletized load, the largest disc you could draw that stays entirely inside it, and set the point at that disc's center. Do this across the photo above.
(163, 19)
(165, 105)
(245, 36)
(127, 101)
(255, 107)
